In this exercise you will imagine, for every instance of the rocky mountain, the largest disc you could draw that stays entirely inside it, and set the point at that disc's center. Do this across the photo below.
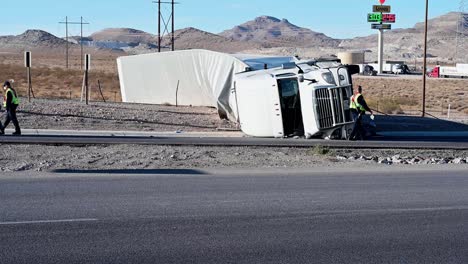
(273, 32)
(187, 38)
(192, 38)
(123, 35)
(31, 39)
(263, 35)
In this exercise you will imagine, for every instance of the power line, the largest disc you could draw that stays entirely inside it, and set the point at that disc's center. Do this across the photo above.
(81, 23)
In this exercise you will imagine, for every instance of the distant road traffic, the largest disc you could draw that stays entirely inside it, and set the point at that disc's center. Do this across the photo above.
(193, 216)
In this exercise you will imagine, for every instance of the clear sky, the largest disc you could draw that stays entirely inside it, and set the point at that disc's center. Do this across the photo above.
(336, 18)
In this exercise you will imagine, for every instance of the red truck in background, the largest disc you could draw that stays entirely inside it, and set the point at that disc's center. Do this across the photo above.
(460, 71)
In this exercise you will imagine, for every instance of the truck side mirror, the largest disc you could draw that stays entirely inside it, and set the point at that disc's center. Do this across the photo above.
(353, 69)
(300, 78)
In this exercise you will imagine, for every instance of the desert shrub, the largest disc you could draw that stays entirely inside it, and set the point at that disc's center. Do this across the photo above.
(320, 150)
(391, 105)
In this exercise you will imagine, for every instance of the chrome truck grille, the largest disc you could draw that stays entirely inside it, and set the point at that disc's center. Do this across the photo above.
(331, 108)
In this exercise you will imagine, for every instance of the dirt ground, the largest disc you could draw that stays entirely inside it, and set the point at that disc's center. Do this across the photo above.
(65, 114)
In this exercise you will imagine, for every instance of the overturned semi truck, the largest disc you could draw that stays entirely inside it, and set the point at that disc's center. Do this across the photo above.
(267, 96)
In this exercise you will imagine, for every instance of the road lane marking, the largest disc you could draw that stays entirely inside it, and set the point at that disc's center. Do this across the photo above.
(48, 221)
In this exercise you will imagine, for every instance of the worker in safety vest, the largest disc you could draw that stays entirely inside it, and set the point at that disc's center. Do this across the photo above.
(10, 102)
(358, 108)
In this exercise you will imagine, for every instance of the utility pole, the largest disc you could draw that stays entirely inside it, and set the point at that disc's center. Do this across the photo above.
(66, 38)
(461, 48)
(425, 61)
(159, 26)
(81, 43)
(165, 23)
(381, 50)
(173, 19)
(81, 23)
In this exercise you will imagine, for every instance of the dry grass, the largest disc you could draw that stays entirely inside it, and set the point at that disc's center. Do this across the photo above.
(56, 82)
(393, 95)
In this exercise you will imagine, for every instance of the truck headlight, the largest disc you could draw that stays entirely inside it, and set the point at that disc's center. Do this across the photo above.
(328, 77)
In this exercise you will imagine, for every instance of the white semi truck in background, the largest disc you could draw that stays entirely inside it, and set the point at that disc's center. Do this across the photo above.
(393, 67)
(370, 69)
(459, 71)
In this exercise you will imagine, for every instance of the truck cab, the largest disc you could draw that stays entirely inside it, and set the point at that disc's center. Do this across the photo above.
(303, 98)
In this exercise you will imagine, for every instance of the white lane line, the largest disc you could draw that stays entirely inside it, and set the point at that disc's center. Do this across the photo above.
(48, 221)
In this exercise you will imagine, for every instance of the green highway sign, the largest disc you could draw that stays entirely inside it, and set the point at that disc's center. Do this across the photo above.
(374, 17)
(382, 9)
(381, 26)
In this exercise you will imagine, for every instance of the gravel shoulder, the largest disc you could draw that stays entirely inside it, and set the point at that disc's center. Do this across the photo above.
(75, 115)
(137, 157)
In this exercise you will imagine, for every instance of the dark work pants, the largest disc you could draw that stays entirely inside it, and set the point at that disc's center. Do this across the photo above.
(358, 131)
(11, 117)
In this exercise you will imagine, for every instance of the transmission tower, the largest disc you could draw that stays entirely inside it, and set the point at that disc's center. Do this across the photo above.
(462, 33)
(68, 22)
(164, 20)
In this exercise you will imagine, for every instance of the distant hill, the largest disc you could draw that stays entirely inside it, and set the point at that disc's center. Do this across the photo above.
(273, 32)
(124, 35)
(192, 38)
(263, 35)
(31, 39)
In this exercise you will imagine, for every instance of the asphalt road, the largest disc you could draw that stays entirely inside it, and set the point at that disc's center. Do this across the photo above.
(388, 142)
(190, 216)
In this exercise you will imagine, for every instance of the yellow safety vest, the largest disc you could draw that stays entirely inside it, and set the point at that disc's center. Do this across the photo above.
(354, 103)
(14, 99)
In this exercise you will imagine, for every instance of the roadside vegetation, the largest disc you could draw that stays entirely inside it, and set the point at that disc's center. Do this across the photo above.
(320, 150)
(399, 95)
(56, 82)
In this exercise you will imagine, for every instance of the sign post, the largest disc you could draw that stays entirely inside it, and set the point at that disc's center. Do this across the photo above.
(381, 50)
(380, 19)
(85, 88)
(27, 64)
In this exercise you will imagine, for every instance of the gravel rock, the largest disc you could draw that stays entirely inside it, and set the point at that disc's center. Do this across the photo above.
(386, 161)
(404, 157)
(74, 115)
